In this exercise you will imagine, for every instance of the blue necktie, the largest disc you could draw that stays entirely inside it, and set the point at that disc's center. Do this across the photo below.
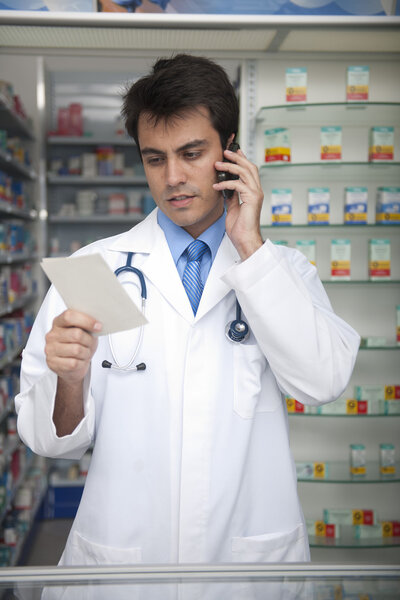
(191, 276)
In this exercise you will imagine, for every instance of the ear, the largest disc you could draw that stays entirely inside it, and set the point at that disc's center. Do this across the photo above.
(230, 140)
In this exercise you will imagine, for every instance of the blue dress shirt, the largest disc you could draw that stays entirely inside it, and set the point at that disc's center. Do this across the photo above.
(178, 240)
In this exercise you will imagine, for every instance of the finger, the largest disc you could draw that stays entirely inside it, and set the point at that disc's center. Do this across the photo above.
(240, 158)
(74, 318)
(82, 353)
(68, 335)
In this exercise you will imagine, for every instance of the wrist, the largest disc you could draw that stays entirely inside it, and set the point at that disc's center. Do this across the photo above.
(246, 249)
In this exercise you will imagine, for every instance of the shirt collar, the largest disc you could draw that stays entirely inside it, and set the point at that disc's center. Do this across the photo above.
(178, 239)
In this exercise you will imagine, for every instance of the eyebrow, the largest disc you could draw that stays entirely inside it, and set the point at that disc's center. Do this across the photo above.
(189, 146)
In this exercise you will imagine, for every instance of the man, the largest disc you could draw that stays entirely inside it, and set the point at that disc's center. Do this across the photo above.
(191, 458)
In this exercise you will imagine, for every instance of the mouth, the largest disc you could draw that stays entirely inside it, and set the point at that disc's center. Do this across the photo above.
(180, 201)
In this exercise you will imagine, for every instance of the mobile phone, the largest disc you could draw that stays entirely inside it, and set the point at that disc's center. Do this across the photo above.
(225, 175)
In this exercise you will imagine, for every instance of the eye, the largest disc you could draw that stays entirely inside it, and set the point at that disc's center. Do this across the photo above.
(192, 154)
(154, 160)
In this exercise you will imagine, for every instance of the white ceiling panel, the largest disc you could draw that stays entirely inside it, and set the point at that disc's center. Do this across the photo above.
(335, 40)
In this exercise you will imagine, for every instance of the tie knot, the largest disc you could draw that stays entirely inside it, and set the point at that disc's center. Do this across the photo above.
(195, 250)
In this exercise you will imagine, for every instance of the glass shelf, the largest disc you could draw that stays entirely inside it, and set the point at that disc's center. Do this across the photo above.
(278, 228)
(77, 219)
(99, 180)
(380, 347)
(338, 472)
(86, 140)
(387, 172)
(354, 114)
(15, 168)
(361, 282)
(13, 211)
(347, 540)
(12, 122)
(340, 416)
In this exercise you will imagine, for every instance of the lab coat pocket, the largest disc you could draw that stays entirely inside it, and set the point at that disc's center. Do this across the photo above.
(80, 551)
(290, 546)
(253, 391)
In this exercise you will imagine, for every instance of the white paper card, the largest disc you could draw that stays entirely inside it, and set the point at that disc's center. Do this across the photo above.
(86, 283)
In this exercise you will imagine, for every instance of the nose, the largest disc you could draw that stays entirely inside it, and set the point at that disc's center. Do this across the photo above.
(175, 173)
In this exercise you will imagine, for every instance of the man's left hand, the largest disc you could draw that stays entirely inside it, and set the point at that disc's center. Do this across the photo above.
(242, 218)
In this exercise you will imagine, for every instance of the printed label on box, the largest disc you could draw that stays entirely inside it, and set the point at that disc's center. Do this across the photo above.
(281, 206)
(331, 143)
(357, 84)
(277, 145)
(296, 84)
(318, 206)
(381, 143)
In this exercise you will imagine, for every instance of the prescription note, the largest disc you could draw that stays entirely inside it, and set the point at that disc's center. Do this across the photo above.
(86, 283)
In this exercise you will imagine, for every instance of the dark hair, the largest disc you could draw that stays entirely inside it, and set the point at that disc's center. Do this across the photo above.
(178, 84)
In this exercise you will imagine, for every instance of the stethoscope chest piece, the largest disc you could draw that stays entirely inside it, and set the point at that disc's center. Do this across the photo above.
(237, 331)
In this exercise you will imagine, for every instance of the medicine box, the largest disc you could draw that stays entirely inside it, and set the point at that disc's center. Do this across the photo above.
(357, 89)
(348, 516)
(296, 84)
(381, 144)
(379, 259)
(307, 247)
(277, 145)
(281, 206)
(331, 143)
(318, 206)
(388, 205)
(340, 259)
(355, 205)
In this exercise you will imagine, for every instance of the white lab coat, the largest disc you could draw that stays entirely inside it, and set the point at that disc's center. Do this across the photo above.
(191, 459)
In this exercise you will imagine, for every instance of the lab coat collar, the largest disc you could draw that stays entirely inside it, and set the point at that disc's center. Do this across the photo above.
(148, 239)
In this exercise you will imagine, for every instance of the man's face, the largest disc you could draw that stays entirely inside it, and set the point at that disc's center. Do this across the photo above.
(178, 158)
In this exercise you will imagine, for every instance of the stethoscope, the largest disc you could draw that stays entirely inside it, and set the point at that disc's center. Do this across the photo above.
(236, 331)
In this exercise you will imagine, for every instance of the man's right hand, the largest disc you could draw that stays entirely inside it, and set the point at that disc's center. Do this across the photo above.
(70, 345)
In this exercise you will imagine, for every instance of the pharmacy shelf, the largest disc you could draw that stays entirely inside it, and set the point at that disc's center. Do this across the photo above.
(9, 357)
(86, 140)
(344, 415)
(7, 409)
(388, 173)
(8, 210)
(339, 472)
(19, 303)
(376, 226)
(13, 123)
(111, 180)
(348, 540)
(76, 220)
(15, 168)
(331, 113)
(361, 282)
(387, 347)
(10, 259)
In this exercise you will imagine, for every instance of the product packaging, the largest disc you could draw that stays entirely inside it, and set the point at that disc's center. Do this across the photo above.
(119, 163)
(331, 143)
(321, 529)
(281, 206)
(355, 205)
(74, 165)
(379, 260)
(383, 529)
(388, 205)
(296, 84)
(89, 164)
(311, 470)
(281, 242)
(387, 465)
(277, 145)
(294, 406)
(357, 89)
(357, 459)
(105, 160)
(377, 392)
(134, 202)
(340, 259)
(318, 206)
(381, 144)
(117, 204)
(348, 516)
(307, 247)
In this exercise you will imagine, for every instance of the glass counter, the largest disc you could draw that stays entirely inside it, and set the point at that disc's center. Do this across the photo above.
(204, 582)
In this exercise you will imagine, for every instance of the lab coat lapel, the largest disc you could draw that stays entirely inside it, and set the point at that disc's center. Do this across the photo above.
(148, 242)
(215, 289)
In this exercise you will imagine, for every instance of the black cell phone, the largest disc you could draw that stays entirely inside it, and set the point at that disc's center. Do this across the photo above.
(225, 175)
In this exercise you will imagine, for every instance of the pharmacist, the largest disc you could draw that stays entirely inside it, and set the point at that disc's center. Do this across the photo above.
(191, 459)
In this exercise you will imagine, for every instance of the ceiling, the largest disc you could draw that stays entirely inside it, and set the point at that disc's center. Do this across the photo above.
(264, 33)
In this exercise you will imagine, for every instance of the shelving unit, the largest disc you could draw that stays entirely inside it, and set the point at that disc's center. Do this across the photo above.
(306, 170)
(13, 258)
